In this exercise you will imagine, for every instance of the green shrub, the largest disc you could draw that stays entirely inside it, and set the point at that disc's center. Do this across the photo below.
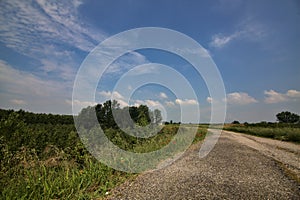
(276, 132)
(49, 161)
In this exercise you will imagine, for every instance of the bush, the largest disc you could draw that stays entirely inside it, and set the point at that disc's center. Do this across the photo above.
(280, 133)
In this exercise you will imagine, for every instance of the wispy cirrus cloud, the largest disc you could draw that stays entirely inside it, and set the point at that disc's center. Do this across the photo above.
(26, 26)
(128, 62)
(248, 29)
(52, 35)
(220, 40)
(275, 97)
(49, 32)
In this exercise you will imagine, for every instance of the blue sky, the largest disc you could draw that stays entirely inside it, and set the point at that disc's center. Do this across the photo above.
(255, 45)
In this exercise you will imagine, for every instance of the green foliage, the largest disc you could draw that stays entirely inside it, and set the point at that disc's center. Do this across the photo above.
(288, 117)
(49, 179)
(41, 160)
(109, 114)
(273, 131)
(41, 118)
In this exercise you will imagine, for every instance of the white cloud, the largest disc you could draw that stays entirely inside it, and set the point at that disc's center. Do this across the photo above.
(248, 29)
(293, 93)
(170, 103)
(82, 104)
(122, 103)
(29, 25)
(275, 97)
(127, 62)
(186, 101)
(146, 69)
(115, 95)
(219, 40)
(163, 95)
(48, 32)
(60, 68)
(202, 52)
(209, 99)
(148, 102)
(23, 83)
(18, 101)
(240, 98)
(19, 88)
(111, 95)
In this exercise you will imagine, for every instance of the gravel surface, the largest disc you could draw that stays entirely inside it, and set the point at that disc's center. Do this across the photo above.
(239, 167)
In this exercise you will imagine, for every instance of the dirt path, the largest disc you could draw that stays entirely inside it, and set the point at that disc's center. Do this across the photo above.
(239, 167)
(285, 153)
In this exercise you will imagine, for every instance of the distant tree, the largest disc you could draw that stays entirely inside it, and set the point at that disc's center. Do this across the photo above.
(157, 116)
(115, 105)
(235, 122)
(86, 118)
(287, 117)
(110, 115)
(143, 117)
(134, 113)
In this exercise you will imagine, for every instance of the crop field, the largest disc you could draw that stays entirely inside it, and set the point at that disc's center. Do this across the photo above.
(48, 161)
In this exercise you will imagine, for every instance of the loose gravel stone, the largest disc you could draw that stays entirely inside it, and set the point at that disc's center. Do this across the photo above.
(234, 169)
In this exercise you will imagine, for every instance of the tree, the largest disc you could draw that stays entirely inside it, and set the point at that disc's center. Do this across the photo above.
(134, 113)
(287, 117)
(235, 122)
(110, 115)
(143, 117)
(157, 116)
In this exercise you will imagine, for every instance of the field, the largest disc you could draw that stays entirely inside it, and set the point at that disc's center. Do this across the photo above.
(284, 132)
(43, 160)
(42, 156)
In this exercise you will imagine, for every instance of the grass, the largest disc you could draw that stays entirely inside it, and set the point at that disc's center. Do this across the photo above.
(57, 177)
(69, 173)
(291, 134)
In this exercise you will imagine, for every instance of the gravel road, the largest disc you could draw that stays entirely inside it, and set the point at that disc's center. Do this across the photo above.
(239, 167)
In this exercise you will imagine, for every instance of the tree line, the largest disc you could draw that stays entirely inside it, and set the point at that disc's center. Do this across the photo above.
(284, 118)
(37, 118)
(111, 115)
(37, 131)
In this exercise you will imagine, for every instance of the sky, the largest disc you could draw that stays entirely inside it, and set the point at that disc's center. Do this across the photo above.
(254, 44)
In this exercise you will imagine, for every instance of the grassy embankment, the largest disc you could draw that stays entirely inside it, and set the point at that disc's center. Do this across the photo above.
(284, 132)
(48, 161)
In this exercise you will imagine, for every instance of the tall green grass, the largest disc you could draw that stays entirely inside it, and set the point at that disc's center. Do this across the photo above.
(279, 133)
(55, 177)
(64, 172)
